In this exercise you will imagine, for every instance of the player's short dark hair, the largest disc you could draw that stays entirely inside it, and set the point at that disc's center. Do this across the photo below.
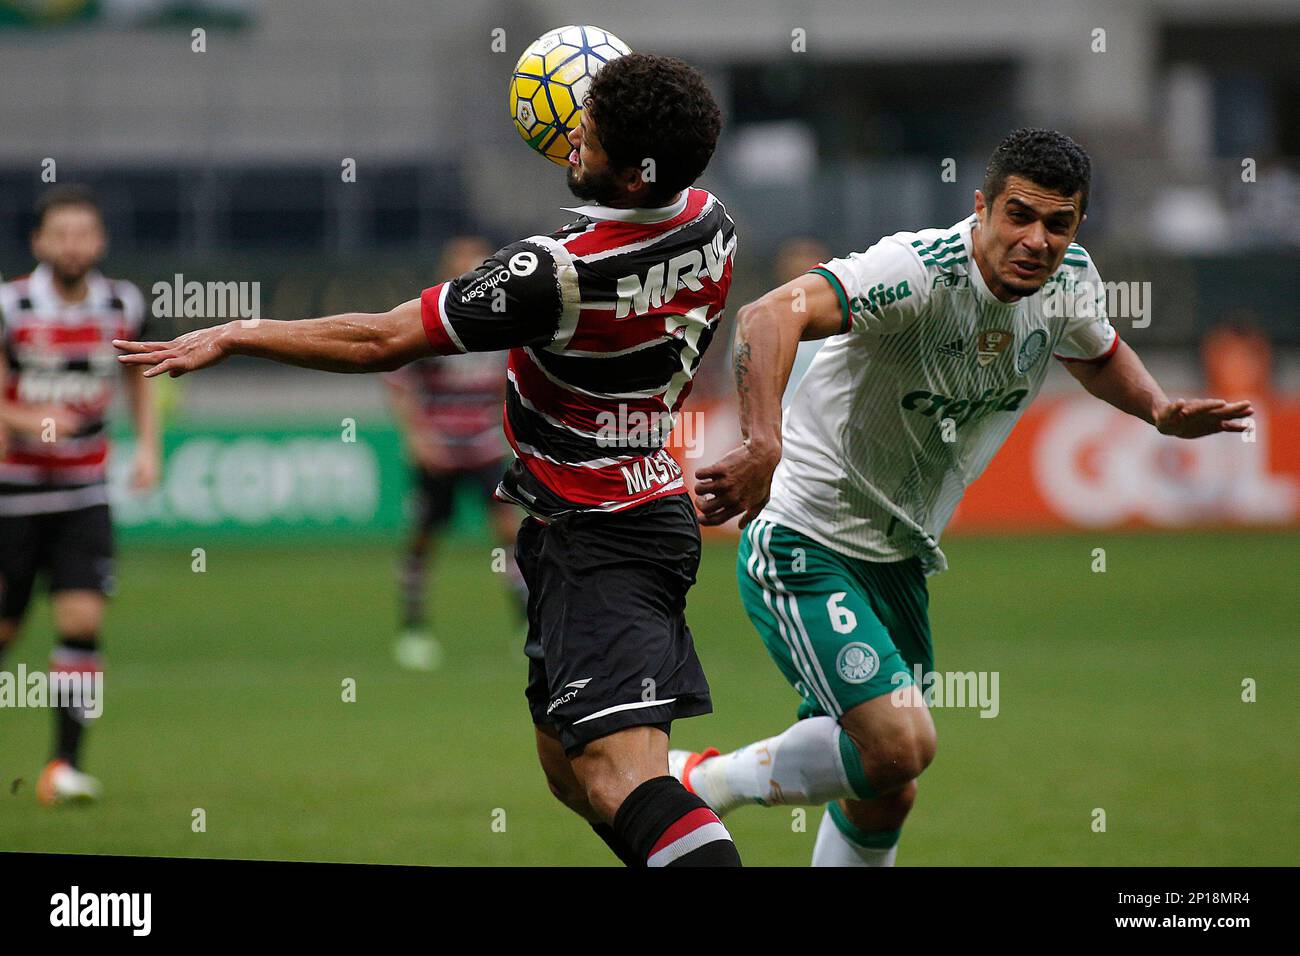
(1044, 157)
(659, 108)
(71, 194)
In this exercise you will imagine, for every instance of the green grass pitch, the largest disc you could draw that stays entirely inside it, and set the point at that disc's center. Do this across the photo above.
(1119, 690)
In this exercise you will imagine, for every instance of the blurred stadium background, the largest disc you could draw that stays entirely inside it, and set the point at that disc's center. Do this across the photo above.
(1120, 690)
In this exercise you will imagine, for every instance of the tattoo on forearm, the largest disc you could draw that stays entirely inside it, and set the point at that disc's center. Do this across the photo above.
(742, 369)
(742, 356)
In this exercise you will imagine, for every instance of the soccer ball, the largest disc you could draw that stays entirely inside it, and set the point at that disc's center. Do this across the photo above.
(550, 81)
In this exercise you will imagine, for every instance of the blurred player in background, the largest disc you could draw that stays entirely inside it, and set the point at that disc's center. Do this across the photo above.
(58, 372)
(938, 340)
(606, 320)
(449, 411)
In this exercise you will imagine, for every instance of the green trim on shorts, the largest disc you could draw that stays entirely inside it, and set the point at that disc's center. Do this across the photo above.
(862, 787)
(870, 839)
(841, 630)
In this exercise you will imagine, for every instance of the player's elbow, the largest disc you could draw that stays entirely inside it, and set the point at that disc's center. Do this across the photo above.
(757, 314)
(387, 356)
(389, 347)
(372, 355)
(777, 310)
(395, 338)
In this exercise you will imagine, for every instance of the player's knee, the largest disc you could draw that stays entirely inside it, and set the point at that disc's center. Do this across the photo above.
(887, 812)
(921, 746)
(606, 783)
(566, 789)
(898, 756)
(605, 792)
(560, 777)
(568, 794)
(902, 799)
(916, 752)
(78, 614)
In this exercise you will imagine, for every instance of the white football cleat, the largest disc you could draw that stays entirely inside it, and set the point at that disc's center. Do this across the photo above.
(682, 762)
(60, 782)
(418, 651)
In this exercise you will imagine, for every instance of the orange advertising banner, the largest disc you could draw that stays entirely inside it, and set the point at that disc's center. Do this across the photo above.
(1078, 463)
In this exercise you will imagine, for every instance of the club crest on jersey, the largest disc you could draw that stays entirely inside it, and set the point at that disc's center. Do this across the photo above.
(1031, 350)
(857, 662)
(992, 343)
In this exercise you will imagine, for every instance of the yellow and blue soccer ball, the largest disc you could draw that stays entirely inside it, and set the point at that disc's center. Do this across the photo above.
(550, 81)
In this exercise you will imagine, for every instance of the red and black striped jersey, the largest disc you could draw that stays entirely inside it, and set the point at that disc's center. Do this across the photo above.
(606, 320)
(458, 400)
(61, 353)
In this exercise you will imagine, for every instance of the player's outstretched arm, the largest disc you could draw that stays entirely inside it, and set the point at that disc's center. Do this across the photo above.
(1123, 381)
(768, 333)
(353, 342)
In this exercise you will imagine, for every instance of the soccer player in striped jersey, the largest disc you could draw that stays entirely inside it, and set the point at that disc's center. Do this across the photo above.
(606, 320)
(57, 378)
(449, 412)
(937, 341)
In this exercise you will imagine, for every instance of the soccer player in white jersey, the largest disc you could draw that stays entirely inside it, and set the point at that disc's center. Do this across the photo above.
(938, 340)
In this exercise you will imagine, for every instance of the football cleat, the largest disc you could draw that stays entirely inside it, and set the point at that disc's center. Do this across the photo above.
(682, 762)
(60, 782)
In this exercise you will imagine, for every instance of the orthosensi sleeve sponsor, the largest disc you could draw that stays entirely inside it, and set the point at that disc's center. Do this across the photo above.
(513, 299)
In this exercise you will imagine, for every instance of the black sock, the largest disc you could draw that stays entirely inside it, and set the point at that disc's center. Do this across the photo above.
(667, 825)
(615, 843)
(410, 585)
(73, 655)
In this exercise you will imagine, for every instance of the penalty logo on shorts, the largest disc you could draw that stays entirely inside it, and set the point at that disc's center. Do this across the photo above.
(857, 663)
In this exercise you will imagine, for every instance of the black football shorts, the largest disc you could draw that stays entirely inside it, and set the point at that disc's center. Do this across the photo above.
(436, 492)
(74, 549)
(608, 646)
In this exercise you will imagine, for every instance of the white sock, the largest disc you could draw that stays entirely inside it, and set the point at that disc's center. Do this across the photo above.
(833, 848)
(801, 766)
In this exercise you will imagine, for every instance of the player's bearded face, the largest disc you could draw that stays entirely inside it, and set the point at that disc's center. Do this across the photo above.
(71, 241)
(594, 185)
(590, 176)
(1029, 229)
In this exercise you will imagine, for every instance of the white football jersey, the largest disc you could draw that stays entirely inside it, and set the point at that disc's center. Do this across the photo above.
(900, 412)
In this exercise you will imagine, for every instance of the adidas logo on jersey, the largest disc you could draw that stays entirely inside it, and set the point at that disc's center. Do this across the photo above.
(953, 349)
